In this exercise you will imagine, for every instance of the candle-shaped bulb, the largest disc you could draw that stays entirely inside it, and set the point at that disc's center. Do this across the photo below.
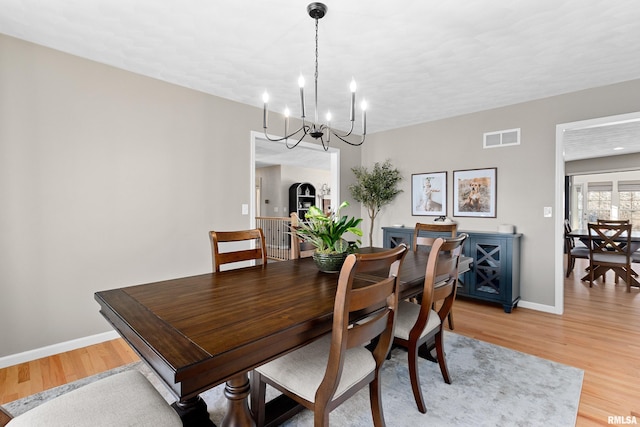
(265, 119)
(328, 117)
(364, 117)
(352, 110)
(301, 84)
(286, 122)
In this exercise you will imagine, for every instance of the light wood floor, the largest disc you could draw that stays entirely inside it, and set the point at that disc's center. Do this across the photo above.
(599, 333)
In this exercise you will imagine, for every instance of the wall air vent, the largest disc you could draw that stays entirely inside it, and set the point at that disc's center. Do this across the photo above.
(502, 138)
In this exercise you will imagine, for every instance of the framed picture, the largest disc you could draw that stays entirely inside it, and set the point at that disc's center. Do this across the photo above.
(474, 192)
(429, 194)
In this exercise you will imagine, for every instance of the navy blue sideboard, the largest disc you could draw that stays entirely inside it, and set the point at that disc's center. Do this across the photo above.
(495, 274)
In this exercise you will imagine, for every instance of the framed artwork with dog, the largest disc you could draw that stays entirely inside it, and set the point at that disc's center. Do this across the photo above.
(429, 194)
(474, 192)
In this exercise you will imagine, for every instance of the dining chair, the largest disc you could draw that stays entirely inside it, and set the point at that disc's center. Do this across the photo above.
(124, 399)
(419, 324)
(326, 372)
(612, 221)
(425, 241)
(572, 250)
(231, 238)
(299, 248)
(610, 248)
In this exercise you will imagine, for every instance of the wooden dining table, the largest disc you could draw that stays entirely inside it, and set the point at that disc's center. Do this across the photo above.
(583, 235)
(201, 331)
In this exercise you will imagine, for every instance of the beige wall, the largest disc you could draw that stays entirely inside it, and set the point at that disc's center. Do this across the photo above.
(108, 179)
(526, 173)
(271, 189)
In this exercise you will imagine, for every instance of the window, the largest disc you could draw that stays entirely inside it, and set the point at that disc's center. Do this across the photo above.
(629, 194)
(599, 200)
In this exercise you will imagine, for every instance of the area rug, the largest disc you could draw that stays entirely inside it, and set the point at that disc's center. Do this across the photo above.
(491, 386)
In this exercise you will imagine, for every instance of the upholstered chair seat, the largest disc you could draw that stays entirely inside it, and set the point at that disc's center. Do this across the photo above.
(408, 315)
(301, 371)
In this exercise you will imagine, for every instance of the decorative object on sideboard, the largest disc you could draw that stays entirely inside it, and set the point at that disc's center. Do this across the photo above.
(444, 220)
(316, 129)
(506, 228)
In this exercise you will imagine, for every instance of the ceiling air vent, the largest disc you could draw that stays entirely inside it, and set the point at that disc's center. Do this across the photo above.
(502, 138)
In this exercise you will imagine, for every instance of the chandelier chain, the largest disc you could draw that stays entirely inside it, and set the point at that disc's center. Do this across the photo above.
(316, 75)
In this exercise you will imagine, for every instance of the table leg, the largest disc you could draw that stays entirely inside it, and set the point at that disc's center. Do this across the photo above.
(193, 412)
(237, 392)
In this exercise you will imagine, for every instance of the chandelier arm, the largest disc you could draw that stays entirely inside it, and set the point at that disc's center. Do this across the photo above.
(304, 128)
(343, 135)
(286, 142)
(343, 139)
(325, 145)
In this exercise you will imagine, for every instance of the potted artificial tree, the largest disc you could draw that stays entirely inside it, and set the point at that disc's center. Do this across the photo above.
(375, 188)
(325, 232)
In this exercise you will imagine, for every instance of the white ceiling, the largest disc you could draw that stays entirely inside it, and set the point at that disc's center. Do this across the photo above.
(414, 61)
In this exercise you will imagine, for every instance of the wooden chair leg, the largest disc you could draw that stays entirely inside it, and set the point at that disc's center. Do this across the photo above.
(321, 417)
(450, 319)
(375, 398)
(412, 354)
(441, 359)
(570, 265)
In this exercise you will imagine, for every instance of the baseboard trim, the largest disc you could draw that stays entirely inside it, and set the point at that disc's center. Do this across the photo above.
(50, 350)
(539, 307)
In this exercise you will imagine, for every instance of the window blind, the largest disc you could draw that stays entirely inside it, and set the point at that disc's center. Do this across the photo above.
(628, 186)
(600, 186)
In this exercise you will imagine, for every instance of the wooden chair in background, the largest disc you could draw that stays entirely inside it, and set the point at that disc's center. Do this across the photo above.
(299, 248)
(219, 257)
(324, 373)
(610, 249)
(418, 325)
(573, 251)
(612, 221)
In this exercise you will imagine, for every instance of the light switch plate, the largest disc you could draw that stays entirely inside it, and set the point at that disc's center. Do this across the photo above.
(245, 209)
(548, 212)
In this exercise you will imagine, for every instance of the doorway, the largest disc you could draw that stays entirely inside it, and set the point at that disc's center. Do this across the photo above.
(265, 152)
(560, 191)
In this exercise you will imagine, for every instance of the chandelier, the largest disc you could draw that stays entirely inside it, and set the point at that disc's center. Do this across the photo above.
(317, 130)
